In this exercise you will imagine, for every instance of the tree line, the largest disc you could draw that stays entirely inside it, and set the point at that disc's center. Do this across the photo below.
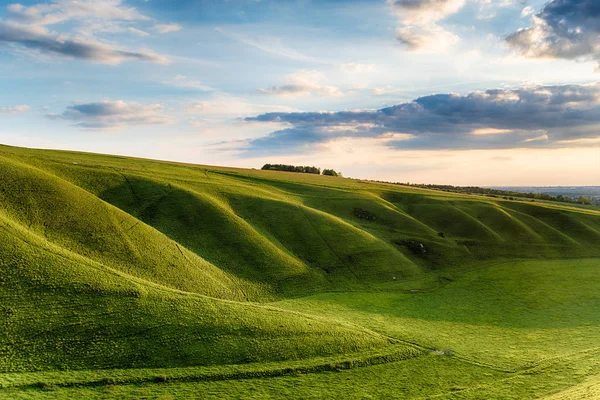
(300, 168)
(505, 194)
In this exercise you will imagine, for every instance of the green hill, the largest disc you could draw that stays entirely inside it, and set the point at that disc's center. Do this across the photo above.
(113, 263)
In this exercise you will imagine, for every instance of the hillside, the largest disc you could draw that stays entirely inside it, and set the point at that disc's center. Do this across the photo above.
(116, 263)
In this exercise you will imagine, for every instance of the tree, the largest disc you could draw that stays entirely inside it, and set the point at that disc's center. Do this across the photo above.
(331, 172)
(583, 200)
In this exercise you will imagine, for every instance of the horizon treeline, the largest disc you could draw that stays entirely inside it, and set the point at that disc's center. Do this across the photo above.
(503, 193)
(300, 168)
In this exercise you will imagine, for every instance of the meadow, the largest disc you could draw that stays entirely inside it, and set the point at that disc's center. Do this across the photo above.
(134, 278)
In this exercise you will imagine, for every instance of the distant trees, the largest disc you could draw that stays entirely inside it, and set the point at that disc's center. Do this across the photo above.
(300, 168)
(292, 168)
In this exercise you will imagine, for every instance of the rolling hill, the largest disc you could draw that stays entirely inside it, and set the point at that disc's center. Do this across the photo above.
(121, 270)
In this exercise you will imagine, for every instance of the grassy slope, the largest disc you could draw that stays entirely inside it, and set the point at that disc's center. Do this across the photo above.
(140, 263)
(506, 342)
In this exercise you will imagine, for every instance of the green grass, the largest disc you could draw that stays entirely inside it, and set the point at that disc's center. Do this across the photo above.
(117, 272)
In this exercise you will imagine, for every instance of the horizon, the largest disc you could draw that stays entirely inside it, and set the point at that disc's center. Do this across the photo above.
(456, 92)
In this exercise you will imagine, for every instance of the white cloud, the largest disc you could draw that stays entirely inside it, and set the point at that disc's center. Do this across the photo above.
(490, 131)
(182, 81)
(357, 68)
(426, 38)
(232, 107)
(304, 83)
(137, 31)
(489, 8)
(14, 109)
(167, 28)
(64, 10)
(420, 30)
(424, 12)
(527, 11)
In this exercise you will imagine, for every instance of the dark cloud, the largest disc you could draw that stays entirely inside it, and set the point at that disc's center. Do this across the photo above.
(38, 38)
(113, 114)
(568, 29)
(541, 116)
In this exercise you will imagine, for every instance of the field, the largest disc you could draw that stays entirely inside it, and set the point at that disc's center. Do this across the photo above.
(132, 278)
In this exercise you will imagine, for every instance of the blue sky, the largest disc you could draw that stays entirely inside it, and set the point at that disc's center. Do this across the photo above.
(467, 92)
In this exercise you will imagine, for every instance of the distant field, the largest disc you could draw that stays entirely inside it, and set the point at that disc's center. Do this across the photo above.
(127, 278)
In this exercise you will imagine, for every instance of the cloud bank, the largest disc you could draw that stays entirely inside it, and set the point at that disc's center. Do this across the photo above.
(528, 117)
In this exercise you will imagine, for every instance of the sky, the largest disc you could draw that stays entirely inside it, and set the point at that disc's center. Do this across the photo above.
(462, 92)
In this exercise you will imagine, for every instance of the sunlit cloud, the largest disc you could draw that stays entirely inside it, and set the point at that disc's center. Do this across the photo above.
(420, 30)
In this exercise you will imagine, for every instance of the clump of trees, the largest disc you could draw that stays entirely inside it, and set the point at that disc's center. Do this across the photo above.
(292, 168)
(584, 200)
(300, 168)
(331, 172)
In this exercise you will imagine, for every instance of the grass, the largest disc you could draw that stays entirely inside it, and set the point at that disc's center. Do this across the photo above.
(127, 278)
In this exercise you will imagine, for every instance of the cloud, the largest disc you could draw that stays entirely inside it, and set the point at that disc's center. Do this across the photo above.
(303, 83)
(269, 45)
(182, 81)
(423, 12)
(488, 8)
(38, 38)
(64, 10)
(567, 29)
(137, 32)
(166, 28)
(113, 115)
(536, 116)
(527, 11)
(420, 30)
(232, 107)
(357, 68)
(26, 29)
(430, 37)
(14, 109)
